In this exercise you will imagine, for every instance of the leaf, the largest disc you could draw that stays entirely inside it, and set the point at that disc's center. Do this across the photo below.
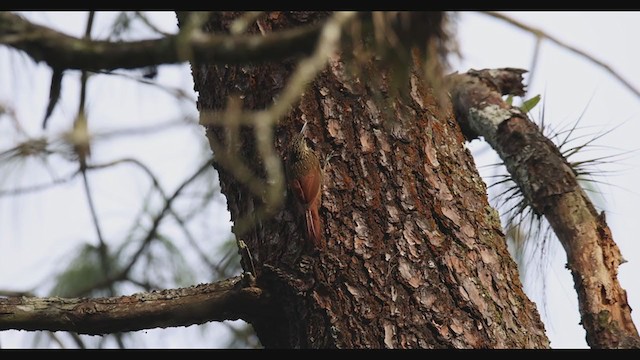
(530, 104)
(509, 100)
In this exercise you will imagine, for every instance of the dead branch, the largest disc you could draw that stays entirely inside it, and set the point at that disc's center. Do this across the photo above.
(549, 185)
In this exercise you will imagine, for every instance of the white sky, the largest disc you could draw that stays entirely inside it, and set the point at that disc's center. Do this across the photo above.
(35, 235)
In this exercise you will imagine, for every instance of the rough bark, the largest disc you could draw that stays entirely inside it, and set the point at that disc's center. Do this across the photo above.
(415, 256)
(550, 186)
(230, 299)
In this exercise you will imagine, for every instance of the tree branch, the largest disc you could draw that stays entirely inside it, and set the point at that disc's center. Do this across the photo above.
(224, 300)
(61, 51)
(549, 186)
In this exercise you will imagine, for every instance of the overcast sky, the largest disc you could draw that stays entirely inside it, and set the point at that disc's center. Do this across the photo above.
(37, 231)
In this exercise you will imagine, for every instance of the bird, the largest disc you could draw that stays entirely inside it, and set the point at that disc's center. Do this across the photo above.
(304, 177)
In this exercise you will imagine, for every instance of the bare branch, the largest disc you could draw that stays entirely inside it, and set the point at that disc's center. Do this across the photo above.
(38, 187)
(67, 52)
(225, 300)
(104, 253)
(541, 34)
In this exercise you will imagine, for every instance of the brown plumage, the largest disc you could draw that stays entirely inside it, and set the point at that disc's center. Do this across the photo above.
(304, 176)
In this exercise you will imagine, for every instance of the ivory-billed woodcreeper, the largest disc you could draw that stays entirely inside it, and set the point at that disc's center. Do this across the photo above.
(304, 176)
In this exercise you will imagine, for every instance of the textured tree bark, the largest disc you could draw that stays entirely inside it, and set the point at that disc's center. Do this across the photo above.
(415, 256)
(550, 186)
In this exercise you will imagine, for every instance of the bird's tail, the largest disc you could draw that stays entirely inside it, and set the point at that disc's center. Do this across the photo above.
(314, 230)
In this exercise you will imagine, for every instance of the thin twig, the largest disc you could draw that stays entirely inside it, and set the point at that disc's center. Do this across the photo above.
(55, 339)
(534, 64)
(76, 338)
(149, 24)
(156, 184)
(39, 187)
(156, 223)
(145, 130)
(178, 218)
(94, 217)
(541, 34)
(151, 234)
(173, 91)
(104, 261)
(102, 248)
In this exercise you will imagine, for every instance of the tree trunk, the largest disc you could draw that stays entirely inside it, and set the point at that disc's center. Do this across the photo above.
(414, 255)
